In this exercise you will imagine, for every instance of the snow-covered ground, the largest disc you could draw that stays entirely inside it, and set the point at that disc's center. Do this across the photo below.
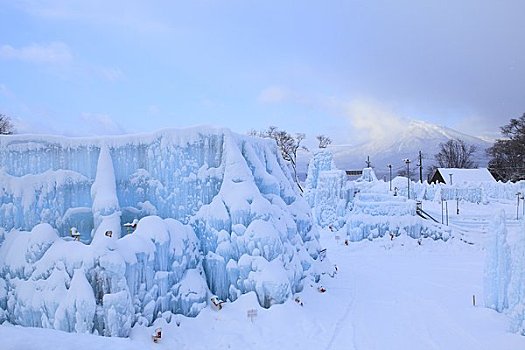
(387, 294)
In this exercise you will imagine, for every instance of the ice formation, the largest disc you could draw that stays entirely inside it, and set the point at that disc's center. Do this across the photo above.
(504, 280)
(365, 208)
(218, 213)
(497, 269)
(327, 190)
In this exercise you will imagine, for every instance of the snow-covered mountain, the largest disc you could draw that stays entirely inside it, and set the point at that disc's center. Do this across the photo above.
(418, 136)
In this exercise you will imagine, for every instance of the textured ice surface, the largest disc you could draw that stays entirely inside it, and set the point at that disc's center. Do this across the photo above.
(218, 214)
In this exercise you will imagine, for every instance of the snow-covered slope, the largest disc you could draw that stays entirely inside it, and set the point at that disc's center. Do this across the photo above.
(418, 136)
(219, 213)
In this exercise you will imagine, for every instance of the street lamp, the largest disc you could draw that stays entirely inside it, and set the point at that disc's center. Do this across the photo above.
(407, 162)
(390, 168)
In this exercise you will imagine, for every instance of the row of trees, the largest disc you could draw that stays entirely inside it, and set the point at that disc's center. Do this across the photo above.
(507, 155)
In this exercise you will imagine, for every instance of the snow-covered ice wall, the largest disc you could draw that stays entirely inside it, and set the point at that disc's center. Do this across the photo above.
(169, 173)
(219, 213)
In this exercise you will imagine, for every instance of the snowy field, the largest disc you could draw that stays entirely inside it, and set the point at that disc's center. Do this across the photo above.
(387, 294)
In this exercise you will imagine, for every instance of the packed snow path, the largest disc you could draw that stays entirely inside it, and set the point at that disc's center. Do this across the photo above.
(400, 295)
(387, 295)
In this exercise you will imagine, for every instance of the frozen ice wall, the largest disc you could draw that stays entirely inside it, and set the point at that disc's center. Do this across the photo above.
(219, 213)
(49, 179)
(473, 192)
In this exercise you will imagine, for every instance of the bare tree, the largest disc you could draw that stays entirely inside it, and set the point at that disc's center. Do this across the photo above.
(456, 154)
(6, 126)
(324, 141)
(288, 145)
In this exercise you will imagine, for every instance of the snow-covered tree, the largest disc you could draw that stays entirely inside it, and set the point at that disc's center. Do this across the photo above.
(324, 141)
(288, 144)
(6, 126)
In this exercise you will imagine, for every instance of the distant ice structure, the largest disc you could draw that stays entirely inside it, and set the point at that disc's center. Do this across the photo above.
(327, 190)
(377, 214)
(362, 209)
(218, 215)
(368, 176)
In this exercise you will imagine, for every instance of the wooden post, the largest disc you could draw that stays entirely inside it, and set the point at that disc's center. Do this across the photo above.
(473, 300)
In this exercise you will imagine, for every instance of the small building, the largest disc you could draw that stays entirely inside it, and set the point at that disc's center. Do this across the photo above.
(354, 174)
(455, 176)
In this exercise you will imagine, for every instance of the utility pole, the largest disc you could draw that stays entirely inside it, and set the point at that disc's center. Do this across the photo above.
(407, 162)
(420, 167)
(390, 170)
(518, 205)
(368, 162)
(523, 204)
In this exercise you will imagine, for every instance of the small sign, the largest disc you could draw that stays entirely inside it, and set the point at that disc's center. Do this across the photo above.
(252, 314)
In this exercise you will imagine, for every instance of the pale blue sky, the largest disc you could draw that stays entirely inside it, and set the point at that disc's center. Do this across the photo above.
(340, 68)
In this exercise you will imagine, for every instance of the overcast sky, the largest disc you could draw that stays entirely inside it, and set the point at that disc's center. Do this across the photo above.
(333, 67)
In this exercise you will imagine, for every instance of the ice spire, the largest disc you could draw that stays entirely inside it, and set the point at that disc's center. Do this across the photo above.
(105, 208)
